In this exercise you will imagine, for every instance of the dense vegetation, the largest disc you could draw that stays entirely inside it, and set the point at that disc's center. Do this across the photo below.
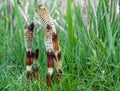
(90, 52)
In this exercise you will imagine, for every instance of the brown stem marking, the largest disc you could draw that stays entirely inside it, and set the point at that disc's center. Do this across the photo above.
(59, 67)
(50, 64)
(29, 63)
(35, 64)
(57, 54)
(55, 42)
(50, 61)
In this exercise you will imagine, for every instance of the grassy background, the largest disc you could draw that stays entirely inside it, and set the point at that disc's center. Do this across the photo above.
(90, 52)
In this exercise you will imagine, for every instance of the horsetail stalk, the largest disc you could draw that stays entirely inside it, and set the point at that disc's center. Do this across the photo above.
(28, 37)
(52, 45)
(31, 57)
(50, 54)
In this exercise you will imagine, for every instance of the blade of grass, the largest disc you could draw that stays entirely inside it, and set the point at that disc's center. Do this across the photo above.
(70, 23)
(19, 18)
(109, 31)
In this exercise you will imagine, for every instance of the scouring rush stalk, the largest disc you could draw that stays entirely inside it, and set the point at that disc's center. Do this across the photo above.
(28, 37)
(50, 55)
(35, 65)
(57, 57)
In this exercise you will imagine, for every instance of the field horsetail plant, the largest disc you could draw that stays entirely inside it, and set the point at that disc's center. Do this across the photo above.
(52, 45)
(31, 57)
(52, 49)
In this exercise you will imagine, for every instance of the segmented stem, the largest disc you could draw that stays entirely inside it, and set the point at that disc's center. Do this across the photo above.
(49, 53)
(52, 45)
(31, 57)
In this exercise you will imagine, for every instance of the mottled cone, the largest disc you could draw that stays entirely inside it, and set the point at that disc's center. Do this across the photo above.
(45, 17)
(44, 14)
(28, 37)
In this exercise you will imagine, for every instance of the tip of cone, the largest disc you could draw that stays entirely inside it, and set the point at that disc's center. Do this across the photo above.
(31, 27)
(36, 53)
(40, 6)
(48, 27)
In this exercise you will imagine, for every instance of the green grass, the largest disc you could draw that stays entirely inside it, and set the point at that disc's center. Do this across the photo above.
(91, 60)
